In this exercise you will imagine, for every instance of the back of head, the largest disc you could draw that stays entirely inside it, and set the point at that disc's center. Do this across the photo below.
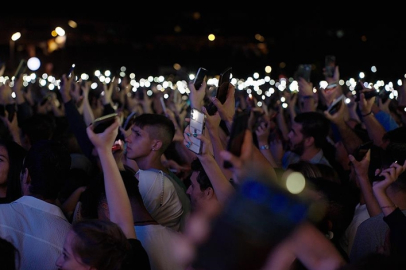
(48, 163)
(38, 127)
(100, 244)
(314, 124)
(161, 127)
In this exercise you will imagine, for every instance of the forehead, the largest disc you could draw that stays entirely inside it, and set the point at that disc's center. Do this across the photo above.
(3, 151)
(139, 129)
(193, 177)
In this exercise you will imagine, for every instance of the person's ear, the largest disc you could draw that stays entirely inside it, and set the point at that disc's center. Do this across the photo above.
(25, 177)
(157, 144)
(309, 141)
(209, 192)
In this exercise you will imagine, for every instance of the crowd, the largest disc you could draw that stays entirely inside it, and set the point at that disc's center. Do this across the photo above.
(309, 187)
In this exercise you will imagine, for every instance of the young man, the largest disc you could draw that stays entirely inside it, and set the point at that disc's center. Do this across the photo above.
(200, 189)
(307, 137)
(34, 223)
(164, 195)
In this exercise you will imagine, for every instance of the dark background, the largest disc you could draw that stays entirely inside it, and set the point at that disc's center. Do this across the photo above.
(150, 42)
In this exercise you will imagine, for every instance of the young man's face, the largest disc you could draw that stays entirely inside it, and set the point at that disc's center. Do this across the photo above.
(139, 143)
(197, 196)
(296, 139)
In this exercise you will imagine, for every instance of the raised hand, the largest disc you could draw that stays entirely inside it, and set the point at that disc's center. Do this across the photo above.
(196, 96)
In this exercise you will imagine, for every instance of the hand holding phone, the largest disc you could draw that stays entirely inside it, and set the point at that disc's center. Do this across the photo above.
(199, 78)
(237, 134)
(329, 66)
(222, 90)
(303, 71)
(335, 105)
(100, 124)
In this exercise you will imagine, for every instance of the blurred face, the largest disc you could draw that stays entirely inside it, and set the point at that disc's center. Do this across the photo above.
(139, 143)
(67, 260)
(197, 197)
(4, 165)
(296, 139)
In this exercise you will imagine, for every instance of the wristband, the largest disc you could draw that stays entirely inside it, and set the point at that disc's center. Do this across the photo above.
(363, 115)
(307, 97)
(264, 147)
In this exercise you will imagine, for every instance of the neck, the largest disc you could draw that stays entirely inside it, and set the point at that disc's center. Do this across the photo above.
(153, 162)
(3, 191)
(309, 153)
(39, 197)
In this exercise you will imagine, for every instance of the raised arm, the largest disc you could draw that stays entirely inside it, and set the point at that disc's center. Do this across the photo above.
(361, 170)
(116, 193)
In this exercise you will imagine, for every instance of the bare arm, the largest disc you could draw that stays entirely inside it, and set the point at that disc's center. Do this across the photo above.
(116, 193)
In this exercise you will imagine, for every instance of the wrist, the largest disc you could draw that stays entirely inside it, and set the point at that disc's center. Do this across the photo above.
(367, 114)
(264, 147)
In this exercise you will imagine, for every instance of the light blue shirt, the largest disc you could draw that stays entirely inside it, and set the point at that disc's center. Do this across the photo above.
(291, 157)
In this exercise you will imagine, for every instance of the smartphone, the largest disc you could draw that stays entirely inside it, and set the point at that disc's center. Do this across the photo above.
(197, 125)
(256, 218)
(329, 66)
(45, 99)
(335, 106)
(368, 94)
(384, 95)
(71, 70)
(237, 134)
(303, 71)
(161, 99)
(362, 150)
(22, 67)
(199, 78)
(100, 124)
(222, 90)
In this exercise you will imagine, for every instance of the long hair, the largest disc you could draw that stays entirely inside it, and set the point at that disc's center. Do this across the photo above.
(16, 155)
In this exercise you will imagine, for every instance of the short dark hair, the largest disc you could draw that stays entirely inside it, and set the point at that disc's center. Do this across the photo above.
(100, 243)
(314, 124)
(202, 178)
(165, 129)
(48, 163)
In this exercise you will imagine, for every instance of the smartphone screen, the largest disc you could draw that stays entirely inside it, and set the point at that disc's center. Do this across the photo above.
(200, 75)
(197, 121)
(237, 134)
(335, 106)
(103, 122)
(222, 90)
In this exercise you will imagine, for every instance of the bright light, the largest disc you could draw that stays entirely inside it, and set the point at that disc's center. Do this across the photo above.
(295, 182)
(33, 63)
(60, 31)
(15, 36)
